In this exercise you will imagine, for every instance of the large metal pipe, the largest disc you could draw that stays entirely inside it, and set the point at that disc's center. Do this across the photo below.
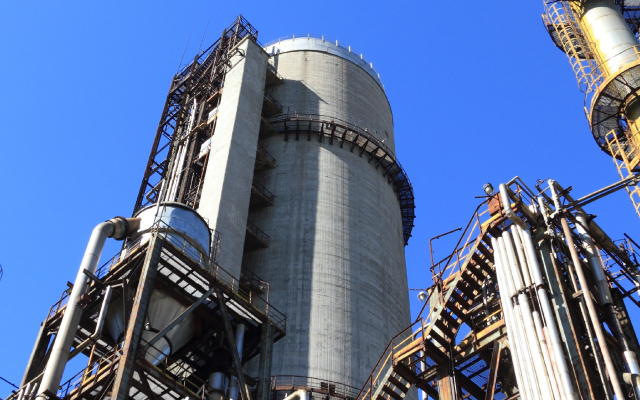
(604, 294)
(528, 327)
(298, 395)
(233, 385)
(543, 297)
(528, 373)
(593, 314)
(118, 228)
(507, 309)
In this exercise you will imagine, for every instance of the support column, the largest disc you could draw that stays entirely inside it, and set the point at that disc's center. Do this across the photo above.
(226, 190)
(266, 357)
(127, 363)
(37, 355)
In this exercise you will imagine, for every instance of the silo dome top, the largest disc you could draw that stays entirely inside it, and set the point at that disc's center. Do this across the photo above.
(324, 44)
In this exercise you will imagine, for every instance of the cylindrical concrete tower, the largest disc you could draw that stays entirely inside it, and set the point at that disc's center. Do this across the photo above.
(335, 264)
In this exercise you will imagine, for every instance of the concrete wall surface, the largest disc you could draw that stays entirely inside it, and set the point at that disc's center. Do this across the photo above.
(326, 84)
(226, 190)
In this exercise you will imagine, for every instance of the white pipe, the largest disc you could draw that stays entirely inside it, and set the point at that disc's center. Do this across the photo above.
(545, 304)
(233, 385)
(604, 293)
(537, 320)
(508, 319)
(539, 380)
(524, 264)
(118, 228)
(298, 395)
(103, 312)
(517, 342)
(551, 373)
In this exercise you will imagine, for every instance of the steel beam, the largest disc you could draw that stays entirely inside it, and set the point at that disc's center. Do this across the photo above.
(266, 357)
(231, 339)
(493, 372)
(136, 321)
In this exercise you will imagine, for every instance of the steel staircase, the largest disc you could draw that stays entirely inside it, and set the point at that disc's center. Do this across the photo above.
(412, 356)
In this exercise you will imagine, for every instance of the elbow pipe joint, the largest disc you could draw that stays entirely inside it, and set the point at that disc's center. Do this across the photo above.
(506, 205)
(123, 227)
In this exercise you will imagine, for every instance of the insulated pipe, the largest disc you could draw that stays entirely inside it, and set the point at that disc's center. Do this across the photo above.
(298, 395)
(593, 314)
(508, 318)
(103, 312)
(551, 373)
(528, 326)
(524, 264)
(604, 293)
(233, 385)
(541, 382)
(543, 297)
(118, 228)
(527, 366)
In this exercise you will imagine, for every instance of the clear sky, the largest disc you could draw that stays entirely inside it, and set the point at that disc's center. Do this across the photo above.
(479, 94)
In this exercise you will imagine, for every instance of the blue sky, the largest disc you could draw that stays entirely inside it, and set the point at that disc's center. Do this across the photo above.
(479, 94)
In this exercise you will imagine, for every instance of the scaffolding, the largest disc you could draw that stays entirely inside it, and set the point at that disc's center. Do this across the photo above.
(459, 346)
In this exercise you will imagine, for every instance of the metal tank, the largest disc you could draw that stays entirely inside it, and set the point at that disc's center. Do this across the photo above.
(336, 264)
(181, 224)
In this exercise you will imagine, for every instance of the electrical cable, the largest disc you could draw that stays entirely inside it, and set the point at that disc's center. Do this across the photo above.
(9, 383)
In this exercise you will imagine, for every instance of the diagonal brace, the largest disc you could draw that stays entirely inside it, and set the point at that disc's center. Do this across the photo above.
(232, 345)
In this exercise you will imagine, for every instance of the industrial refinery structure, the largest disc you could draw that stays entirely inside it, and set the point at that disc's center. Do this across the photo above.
(264, 259)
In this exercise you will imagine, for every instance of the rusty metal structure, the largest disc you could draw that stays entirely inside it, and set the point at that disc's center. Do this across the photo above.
(561, 332)
(128, 369)
(176, 324)
(185, 129)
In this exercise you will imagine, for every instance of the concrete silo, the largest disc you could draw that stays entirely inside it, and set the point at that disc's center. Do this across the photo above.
(335, 263)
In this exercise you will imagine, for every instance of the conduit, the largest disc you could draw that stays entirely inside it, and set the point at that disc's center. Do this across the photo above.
(118, 228)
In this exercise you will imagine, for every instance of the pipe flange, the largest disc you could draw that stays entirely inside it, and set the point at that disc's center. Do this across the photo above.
(121, 227)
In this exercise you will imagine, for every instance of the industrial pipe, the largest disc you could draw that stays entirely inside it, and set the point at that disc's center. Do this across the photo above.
(233, 385)
(543, 297)
(119, 228)
(604, 295)
(593, 314)
(527, 326)
(298, 395)
(527, 319)
(526, 369)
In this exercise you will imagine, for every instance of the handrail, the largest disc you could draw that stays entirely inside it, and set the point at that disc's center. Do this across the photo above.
(326, 39)
(263, 191)
(266, 154)
(253, 228)
(334, 128)
(204, 261)
(290, 383)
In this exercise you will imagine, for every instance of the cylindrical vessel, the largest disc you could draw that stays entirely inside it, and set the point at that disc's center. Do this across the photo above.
(614, 41)
(336, 264)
